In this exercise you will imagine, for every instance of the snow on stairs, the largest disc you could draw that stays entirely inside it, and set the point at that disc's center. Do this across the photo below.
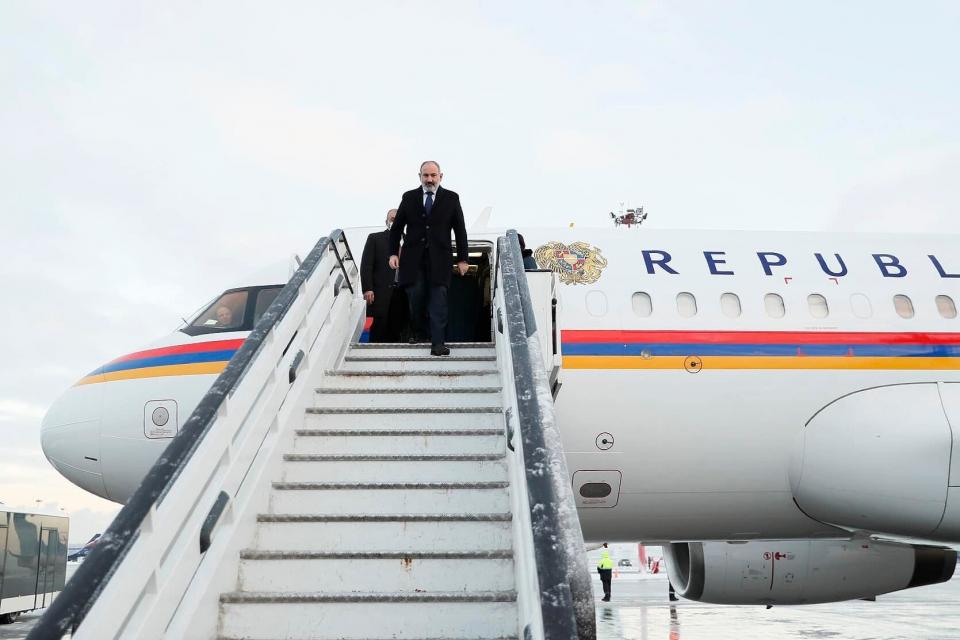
(392, 516)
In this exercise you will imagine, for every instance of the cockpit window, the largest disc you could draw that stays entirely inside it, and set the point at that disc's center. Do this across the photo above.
(226, 313)
(235, 310)
(265, 298)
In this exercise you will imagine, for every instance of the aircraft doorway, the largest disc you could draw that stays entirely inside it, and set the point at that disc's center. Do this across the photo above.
(469, 298)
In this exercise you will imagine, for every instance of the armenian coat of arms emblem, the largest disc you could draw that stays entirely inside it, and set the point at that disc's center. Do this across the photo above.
(577, 263)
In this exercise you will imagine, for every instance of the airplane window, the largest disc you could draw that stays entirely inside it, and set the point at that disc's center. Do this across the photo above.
(773, 303)
(817, 305)
(946, 307)
(730, 305)
(265, 298)
(225, 314)
(686, 305)
(860, 305)
(642, 305)
(597, 303)
(903, 305)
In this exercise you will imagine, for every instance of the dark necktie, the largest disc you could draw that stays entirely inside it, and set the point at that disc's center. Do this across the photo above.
(428, 204)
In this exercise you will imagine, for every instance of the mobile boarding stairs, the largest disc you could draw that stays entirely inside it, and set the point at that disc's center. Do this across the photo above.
(328, 489)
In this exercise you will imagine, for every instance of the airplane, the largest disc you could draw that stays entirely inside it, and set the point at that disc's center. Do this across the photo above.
(776, 409)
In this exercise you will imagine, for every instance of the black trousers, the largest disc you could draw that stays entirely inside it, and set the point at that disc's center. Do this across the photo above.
(606, 576)
(391, 327)
(427, 300)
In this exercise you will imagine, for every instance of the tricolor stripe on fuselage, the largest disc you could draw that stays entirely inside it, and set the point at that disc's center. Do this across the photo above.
(179, 360)
(625, 349)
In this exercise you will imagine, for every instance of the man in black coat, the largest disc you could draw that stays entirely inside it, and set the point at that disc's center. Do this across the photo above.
(427, 215)
(376, 278)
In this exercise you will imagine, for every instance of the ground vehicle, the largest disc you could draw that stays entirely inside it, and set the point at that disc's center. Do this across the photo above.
(33, 561)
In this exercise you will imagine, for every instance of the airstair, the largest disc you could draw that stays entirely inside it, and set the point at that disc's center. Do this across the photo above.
(328, 489)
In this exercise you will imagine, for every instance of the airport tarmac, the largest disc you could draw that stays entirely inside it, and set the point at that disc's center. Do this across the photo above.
(640, 610)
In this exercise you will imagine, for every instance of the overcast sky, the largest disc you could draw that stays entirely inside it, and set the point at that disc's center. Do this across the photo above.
(153, 153)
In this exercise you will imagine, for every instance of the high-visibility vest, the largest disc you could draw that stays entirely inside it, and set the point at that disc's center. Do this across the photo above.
(605, 561)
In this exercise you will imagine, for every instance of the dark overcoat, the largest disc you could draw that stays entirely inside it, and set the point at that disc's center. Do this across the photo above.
(422, 234)
(376, 274)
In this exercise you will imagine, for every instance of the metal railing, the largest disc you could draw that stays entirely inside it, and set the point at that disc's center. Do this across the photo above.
(195, 485)
(562, 577)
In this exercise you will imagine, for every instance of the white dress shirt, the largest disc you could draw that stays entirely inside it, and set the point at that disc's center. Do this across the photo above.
(425, 192)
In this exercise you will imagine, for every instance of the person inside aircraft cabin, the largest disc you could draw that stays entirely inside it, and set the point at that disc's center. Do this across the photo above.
(528, 261)
(425, 218)
(224, 316)
(377, 279)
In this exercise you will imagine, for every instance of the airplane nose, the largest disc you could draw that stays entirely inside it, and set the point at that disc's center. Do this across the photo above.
(70, 437)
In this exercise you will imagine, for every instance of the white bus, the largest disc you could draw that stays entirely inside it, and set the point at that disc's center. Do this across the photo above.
(33, 561)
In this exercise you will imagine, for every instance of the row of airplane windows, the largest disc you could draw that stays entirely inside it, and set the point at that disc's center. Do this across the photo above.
(774, 306)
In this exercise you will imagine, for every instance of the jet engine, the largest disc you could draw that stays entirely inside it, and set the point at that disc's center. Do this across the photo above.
(802, 571)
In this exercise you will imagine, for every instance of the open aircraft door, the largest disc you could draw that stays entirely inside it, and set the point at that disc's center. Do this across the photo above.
(543, 294)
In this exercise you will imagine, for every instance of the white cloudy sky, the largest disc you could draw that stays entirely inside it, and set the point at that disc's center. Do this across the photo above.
(150, 153)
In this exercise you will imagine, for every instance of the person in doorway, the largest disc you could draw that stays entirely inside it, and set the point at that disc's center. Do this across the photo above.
(425, 218)
(529, 262)
(376, 279)
(605, 569)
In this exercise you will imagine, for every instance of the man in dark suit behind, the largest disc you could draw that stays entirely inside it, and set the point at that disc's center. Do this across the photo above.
(376, 278)
(428, 215)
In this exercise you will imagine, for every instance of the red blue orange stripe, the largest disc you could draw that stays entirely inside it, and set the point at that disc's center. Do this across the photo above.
(634, 349)
(184, 359)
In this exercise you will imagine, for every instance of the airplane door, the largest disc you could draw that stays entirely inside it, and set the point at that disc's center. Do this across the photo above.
(543, 296)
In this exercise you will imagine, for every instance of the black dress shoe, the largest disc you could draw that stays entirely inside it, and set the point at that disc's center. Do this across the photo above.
(440, 351)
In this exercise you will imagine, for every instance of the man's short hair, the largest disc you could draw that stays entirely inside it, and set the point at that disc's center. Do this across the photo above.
(389, 211)
(426, 162)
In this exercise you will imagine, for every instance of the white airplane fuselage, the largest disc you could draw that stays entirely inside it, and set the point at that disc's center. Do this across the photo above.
(694, 364)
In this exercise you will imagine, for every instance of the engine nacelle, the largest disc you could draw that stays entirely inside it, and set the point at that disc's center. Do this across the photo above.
(802, 571)
(885, 460)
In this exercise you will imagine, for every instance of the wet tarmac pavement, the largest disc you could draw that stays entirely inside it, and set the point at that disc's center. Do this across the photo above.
(640, 610)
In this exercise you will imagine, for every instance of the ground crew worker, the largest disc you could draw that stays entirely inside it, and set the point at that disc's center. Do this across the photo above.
(605, 569)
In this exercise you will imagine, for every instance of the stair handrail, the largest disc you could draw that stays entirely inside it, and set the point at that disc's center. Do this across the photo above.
(566, 592)
(82, 591)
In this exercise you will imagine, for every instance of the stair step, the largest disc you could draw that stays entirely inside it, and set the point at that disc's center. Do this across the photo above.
(386, 468)
(429, 378)
(420, 357)
(455, 364)
(386, 571)
(471, 637)
(410, 441)
(401, 533)
(395, 398)
(389, 457)
(360, 616)
(385, 497)
(408, 418)
(407, 350)
(403, 410)
(374, 346)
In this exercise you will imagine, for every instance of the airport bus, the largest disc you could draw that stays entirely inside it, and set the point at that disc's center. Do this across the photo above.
(33, 561)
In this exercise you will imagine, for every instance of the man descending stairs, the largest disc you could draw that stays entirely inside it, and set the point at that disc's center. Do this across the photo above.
(392, 518)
